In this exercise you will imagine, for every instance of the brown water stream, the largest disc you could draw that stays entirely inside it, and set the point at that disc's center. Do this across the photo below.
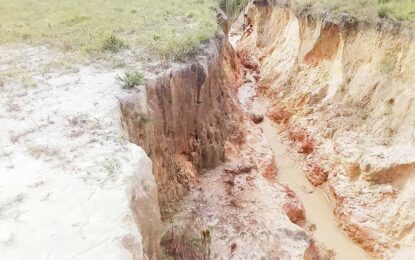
(318, 207)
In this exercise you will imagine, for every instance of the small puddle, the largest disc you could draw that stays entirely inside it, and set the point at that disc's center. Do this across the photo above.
(318, 207)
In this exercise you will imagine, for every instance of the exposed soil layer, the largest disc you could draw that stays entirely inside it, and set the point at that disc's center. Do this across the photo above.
(318, 206)
(344, 97)
(185, 118)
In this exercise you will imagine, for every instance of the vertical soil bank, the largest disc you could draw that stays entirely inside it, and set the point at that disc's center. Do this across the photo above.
(344, 94)
(184, 119)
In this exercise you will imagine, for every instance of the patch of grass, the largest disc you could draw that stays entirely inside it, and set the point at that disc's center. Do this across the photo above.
(43, 151)
(187, 242)
(233, 7)
(188, 236)
(398, 10)
(112, 166)
(113, 44)
(170, 29)
(144, 119)
(131, 79)
(29, 82)
(14, 138)
(80, 119)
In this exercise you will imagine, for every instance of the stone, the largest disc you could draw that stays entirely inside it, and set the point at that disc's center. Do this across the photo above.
(257, 118)
(306, 147)
(247, 60)
(292, 205)
(316, 174)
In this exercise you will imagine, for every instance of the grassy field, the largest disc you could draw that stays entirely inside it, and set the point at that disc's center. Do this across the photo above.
(170, 28)
(399, 10)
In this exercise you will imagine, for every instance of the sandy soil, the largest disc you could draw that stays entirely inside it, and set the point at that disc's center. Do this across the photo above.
(63, 160)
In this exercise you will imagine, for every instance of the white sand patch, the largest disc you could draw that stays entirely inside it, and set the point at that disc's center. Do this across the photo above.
(64, 161)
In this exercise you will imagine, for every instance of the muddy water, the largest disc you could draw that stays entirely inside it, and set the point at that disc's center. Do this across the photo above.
(319, 208)
(316, 203)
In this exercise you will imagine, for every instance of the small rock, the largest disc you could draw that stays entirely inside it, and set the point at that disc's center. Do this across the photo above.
(1, 83)
(257, 118)
(247, 60)
(257, 77)
(279, 115)
(306, 147)
(233, 247)
(316, 174)
(293, 206)
(250, 178)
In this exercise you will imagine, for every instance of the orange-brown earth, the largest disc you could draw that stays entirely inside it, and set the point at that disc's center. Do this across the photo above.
(343, 94)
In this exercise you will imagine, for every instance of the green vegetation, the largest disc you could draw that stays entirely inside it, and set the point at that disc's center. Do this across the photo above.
(188, 244)
(398, 10)
(113, 44)
(233, 7)
(144, 119)
(171, 29)
(131, 79)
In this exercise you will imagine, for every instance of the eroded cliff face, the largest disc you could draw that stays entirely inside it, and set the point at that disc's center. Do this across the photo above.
(345, 94)
(191, 120)
(184, 119)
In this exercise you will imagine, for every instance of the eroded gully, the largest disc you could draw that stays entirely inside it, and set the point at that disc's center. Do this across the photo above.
(317, 204)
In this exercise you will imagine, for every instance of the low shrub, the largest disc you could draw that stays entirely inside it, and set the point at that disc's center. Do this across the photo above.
(131, 79)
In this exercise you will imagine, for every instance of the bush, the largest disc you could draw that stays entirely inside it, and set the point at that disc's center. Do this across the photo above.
(113, 44)
(131, 79)
(383, 12)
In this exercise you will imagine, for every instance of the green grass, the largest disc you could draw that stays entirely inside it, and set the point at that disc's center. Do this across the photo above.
(398, 10)
(131, 79)
(171, 29)
(233, 7)
(113, 44)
